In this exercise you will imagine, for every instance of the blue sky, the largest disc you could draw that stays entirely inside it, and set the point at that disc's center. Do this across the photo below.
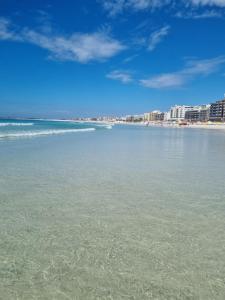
(109, 57)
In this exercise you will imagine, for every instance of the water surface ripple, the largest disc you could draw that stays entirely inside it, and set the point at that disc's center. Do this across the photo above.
(128, 213)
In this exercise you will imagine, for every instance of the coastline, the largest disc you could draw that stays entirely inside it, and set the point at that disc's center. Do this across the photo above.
(105, 199)
(214, 126)
(162, 125)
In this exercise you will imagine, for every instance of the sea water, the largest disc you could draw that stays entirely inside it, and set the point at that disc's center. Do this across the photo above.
(127, 213)
(30, 128)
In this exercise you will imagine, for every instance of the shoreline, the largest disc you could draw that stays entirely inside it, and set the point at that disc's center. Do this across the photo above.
(214, 126)
(161, 125)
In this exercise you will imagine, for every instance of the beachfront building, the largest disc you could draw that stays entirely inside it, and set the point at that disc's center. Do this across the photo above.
(135, 118)
(153, 116)
(107, 119)
(177, 112)
(217, 111)
(198, 114)
(167, 116)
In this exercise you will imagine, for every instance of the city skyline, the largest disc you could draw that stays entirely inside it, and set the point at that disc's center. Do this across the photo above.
(214, 111)
(109, 57)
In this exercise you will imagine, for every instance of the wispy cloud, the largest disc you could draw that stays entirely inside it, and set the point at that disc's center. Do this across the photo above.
(220, 3)
(115, 7)
(80, 47)
(123, 76)
(146, 4)
(157, 36)
(44, 21)
(7, 31)
(202, 15)
(191, 70)
(130, 58)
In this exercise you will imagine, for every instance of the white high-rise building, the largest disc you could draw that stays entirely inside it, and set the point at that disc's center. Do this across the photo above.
(177, 112)
(167, 116)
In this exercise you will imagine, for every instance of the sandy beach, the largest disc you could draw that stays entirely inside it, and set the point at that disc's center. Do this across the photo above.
(175, 125)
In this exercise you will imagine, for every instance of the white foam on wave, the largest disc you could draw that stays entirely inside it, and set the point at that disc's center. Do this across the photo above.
(55, 120)
(15, 124)
(44, 132)
(107, 126)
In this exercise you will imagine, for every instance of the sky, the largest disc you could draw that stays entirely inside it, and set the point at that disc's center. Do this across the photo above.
(109, 57)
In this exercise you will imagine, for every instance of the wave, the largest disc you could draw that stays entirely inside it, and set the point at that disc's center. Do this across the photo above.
(15, 124)
(107, 126)
(44, 132)
(54, 120)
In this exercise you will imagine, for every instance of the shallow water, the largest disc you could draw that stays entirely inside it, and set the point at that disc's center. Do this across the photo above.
(10, 129)
(127, 213)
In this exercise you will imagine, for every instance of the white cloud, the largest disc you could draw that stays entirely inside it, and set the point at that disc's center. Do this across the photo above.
(145, 4)
(130, 58)
(203, 15)
(6, 33)
(157, 36)
(192, 69)
(77, 47)
(115, 7)
(80, 47)
(123, 76)
(203, 67)
(220, 3)
(164, 81)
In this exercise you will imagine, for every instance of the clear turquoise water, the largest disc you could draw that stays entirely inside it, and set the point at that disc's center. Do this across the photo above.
(127, 213)
(30, 128)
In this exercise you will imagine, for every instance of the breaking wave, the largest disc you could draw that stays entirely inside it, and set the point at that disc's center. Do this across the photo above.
(107, 126)
(15, 124)
(44, 132)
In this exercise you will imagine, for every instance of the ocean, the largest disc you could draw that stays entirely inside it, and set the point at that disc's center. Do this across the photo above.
(127, 213)
(30, 128)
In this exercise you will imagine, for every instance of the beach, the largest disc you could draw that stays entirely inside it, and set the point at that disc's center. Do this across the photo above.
(220, 126)
(129, 213)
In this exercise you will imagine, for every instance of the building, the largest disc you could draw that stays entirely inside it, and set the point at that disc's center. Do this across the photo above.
(204, 115)
(135, 118)
(167, 116)
(160, 116)
(177, 112)
(154, 116)
(217, 111)
(198, 114)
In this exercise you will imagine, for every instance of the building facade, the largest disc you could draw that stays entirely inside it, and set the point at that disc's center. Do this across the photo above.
(154, 116)
(217, 111)
(177, 112)
(135, 118)
(198, 114)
